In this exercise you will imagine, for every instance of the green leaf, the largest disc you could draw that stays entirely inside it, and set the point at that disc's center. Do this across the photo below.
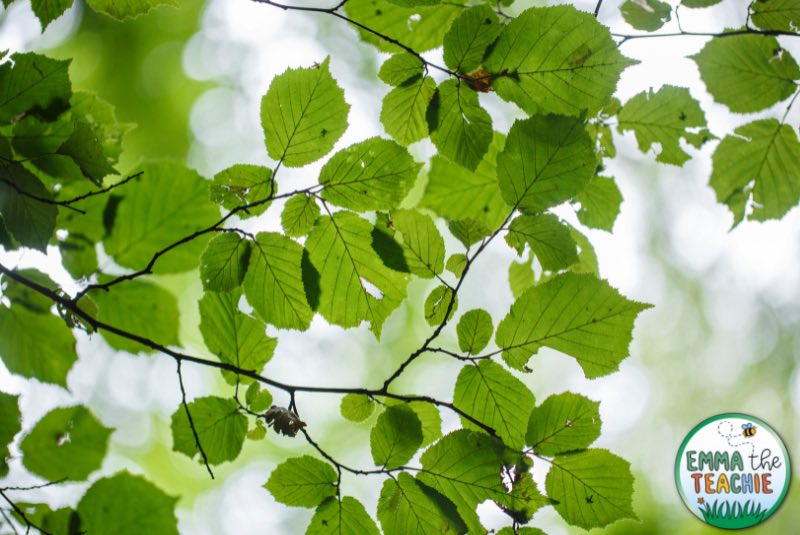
(455, 192)
(664, 117)
(355, 285)
(166, 204)
(646, 15)
(26, 352)
(592, 488)
(526, 499)
(232, 335)
(524, 530)
(474, 331)
(546, 161)
(428, 415)
(19, 294)
(10, 417)
(84, 147)
(100, 116)
(699, 3)
(564, 422)
(243, 184)
(423, 246)
(587, 258)
(29, 220)
(438, 305)
(490, 394)
(400, 68)
(375, 174)
(34, 138)
(577, 314)
(747, 73)
(780, 15)
(125, 504)
(224, 262)
(758, 165)
(303, 115)
(49, 10)
(556, 60)
(468, 38)
(407, 507)
(465, 467)
(64, 521)
(298, 216)
(274, 284)
(67, 443)
(420, 28)
(460, 128)
(302, 482)
(357, 407)
(258, 432)
(520, 276)
(599, 203)
(140, 308)
(32, 81)
(257, 400)
(127, 9)
(78, 256)
(396, 437)
(469, 231)
(345, 517)
(548, 237)
(403, 112)
(456, 264)
(220, 427)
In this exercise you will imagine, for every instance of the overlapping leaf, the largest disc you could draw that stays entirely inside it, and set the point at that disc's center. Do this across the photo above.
(468, 38)
(408, 507)
(241, 185)
(274, 284)
(403, 114)
(423, 246)
(577, 314)
(648, 15)
(546, 160)
(592, 488)
(556, 60)
(355, 285)
(489, 393)
(375, 174)
(220, 427)
(564, 422)
(460, 128)
(302, 482)
(25, 207)
(548, 237)
(781, 15)
(747, 73)
(32, 81)
(166, 204)
(396, 437)
(224, 262)
(345, 517)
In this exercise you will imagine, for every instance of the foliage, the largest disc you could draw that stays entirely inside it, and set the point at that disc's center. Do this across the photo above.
(352, 244)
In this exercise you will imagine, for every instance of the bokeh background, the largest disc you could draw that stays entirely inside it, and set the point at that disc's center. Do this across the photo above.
(723, 335)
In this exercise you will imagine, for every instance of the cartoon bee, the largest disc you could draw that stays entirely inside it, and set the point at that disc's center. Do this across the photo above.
(748, 430)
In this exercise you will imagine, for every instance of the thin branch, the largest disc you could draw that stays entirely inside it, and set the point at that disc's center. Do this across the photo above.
(747, 31)
(424, 347)
(101, 191)
(458, 356)
(334, 11)
(43, 200)
(191, 420)
(36, 487)
(28, 522)
(8, 521)
(791, 103)
(70, 306)
(597, 8)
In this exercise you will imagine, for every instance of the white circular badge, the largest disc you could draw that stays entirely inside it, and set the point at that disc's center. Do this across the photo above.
(732, 471)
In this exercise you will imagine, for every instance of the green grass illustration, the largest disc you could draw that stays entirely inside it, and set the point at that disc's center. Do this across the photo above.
(727, 515)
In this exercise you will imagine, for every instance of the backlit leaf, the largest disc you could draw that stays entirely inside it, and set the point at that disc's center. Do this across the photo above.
(474, 331)
(782, 15)
(220, 427)
(439, 304)
(30, 221)
(396, 437)
(224, 262)
(357, 407)
(345, 517)
(302, 482)
(243, 184)
(577, 314)
(400, 68)
(408, 507)
(460, 128)
(403, 112)
(547, 236)
(298, 216)
(9, 426)
(599, 203)
(468, 38)
(564, 422)
(423, 246)
(127, 9)
(647, 15)
(303, 115)
(32, 81)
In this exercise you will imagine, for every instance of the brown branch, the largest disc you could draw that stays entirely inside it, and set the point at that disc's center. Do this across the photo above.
(191, 420)
(28, 522)
(746, 31)
(100, 191)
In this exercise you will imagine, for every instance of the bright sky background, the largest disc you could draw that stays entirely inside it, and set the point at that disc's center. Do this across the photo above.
(247, 45)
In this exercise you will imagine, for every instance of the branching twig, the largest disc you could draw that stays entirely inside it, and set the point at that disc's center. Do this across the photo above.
(746, 31)
(334, 11)
(28, 522)
(191, 420)
(100, 191)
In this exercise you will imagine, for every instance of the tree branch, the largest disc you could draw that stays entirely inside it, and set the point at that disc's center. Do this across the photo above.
(28, 522)
(191, 420)
(71, 306)
(746, 31)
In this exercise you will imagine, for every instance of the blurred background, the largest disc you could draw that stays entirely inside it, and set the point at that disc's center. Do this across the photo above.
(722, 337)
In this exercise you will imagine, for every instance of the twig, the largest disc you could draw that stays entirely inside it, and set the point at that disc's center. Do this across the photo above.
(747, 31)
(28, 522)
(101, 191)
(43, 200)
(597, 8)
(36, 487)
(191, 420)
(465, 358)
(791, 103)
